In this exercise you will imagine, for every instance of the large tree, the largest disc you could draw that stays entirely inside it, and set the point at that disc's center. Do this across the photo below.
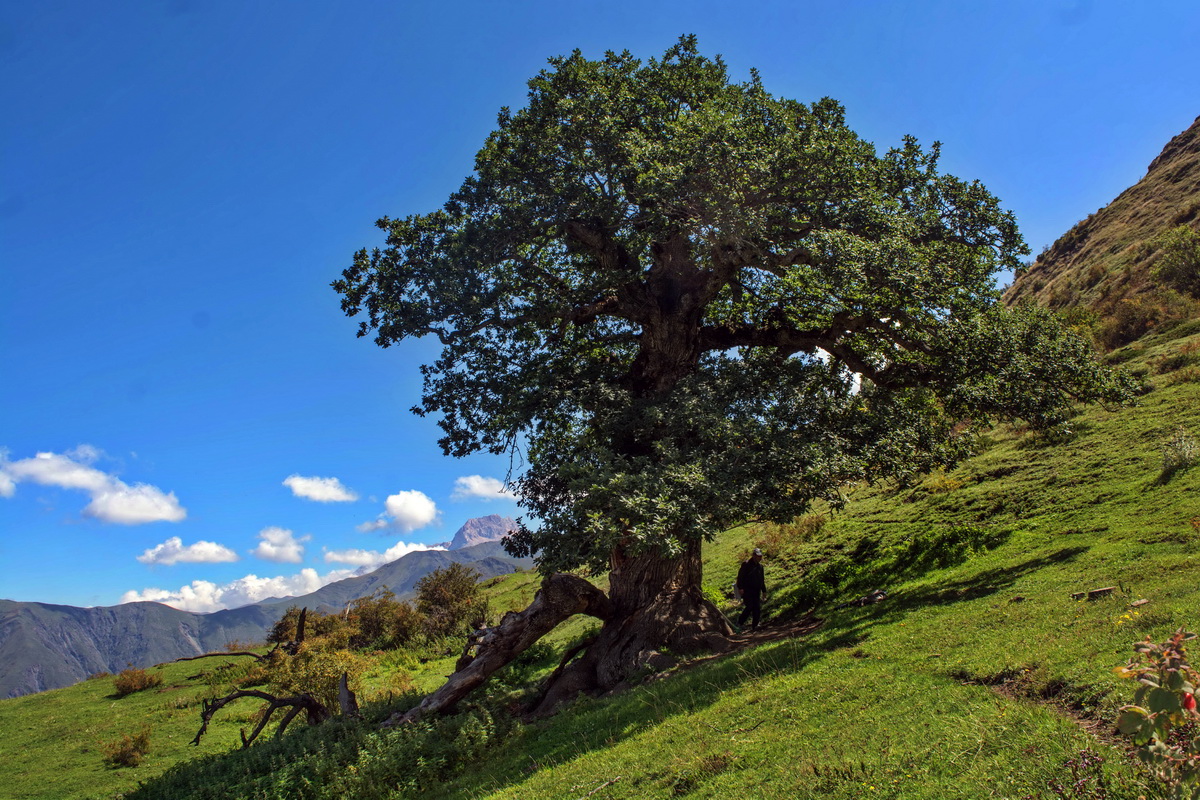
(692, 304)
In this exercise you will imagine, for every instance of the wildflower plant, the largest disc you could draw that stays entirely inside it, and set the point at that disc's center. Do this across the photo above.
(1163, 720)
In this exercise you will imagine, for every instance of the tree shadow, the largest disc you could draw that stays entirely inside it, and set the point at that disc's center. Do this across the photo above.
(593, 724)
(782, 645)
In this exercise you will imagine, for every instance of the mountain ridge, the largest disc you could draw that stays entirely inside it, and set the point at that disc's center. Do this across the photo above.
(46, 646)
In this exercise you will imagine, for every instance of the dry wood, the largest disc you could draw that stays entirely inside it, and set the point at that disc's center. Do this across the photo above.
(1092, 594)
(305, 702)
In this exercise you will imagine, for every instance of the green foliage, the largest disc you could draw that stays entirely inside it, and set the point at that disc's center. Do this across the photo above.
(774, 538)
(702, 304)
(129, 750)
(1179, 452)
(334, 629)
(1163, 720)
(450, 600)
(382, 622)
(1178, 262)
(133, 680)
(315, 670)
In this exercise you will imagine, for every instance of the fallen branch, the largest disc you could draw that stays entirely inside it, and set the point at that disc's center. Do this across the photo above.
(1093, 593)
(601, 786)
(317, 712)
(230, 653)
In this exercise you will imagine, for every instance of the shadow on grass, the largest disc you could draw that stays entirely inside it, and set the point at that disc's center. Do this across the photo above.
(596, 724)
(591, 724)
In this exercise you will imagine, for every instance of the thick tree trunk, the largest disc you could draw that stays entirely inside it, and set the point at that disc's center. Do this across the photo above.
(655, 605)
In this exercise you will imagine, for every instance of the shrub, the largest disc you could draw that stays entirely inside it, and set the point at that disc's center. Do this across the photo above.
(774, 538)
(135, 680)
(128, 751)
(316, 670)
(1163, 720)
(449, 600)
(382, 622)
(1178, 453)
(1178, 263)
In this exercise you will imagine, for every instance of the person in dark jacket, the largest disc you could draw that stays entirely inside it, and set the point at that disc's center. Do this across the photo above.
(752, 588)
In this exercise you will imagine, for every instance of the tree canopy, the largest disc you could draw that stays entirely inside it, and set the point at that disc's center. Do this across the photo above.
(691, 303)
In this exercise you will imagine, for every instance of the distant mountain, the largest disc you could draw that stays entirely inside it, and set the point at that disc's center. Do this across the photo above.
(491, 528)
(1103, 263)
(45, 646)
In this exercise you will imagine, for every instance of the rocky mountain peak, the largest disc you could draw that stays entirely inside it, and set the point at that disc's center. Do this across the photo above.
(491, 528)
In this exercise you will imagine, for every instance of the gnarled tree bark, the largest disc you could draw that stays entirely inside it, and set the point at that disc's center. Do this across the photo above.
(560, 597)
(655, 604)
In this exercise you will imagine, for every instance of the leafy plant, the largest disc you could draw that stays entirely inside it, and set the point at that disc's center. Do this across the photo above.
(1162, 719)
(1178, 263)
(1178, 453)
(449, 599)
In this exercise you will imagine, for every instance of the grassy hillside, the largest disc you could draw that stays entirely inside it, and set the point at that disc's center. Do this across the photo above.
(1101, 269)
(978, 676)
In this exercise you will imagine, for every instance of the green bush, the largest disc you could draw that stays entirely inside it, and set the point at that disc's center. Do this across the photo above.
(1178, 262)
(1178, 453)
(450, 601)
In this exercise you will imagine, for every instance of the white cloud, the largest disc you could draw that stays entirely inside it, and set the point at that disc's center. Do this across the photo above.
(278, 544)
(172, 551)
(322, 490)
(133, 505)
(407, 511)
(52, 469)
(373, 558)
(206, 596)
(477, 486)
(411, 510)
(113, 500)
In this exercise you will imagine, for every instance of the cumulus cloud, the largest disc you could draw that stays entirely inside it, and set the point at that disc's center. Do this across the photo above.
(172, 551)
(279, 544)
(479, 487)
(113, 500)
(371, 559)
(206, 596)
(407, 511)
(322, 490)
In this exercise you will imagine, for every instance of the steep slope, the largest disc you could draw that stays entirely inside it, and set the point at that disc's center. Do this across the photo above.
(45, 646)
(1103, 263)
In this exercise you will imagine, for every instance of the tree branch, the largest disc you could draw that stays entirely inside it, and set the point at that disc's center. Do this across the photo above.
(560, 597)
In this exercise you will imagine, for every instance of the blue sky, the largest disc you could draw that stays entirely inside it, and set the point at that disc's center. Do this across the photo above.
(185, 413)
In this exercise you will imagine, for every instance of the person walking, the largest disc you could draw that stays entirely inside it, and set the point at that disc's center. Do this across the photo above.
(752, 588)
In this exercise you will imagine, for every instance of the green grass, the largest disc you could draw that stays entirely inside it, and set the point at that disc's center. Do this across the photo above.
(971, 680)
